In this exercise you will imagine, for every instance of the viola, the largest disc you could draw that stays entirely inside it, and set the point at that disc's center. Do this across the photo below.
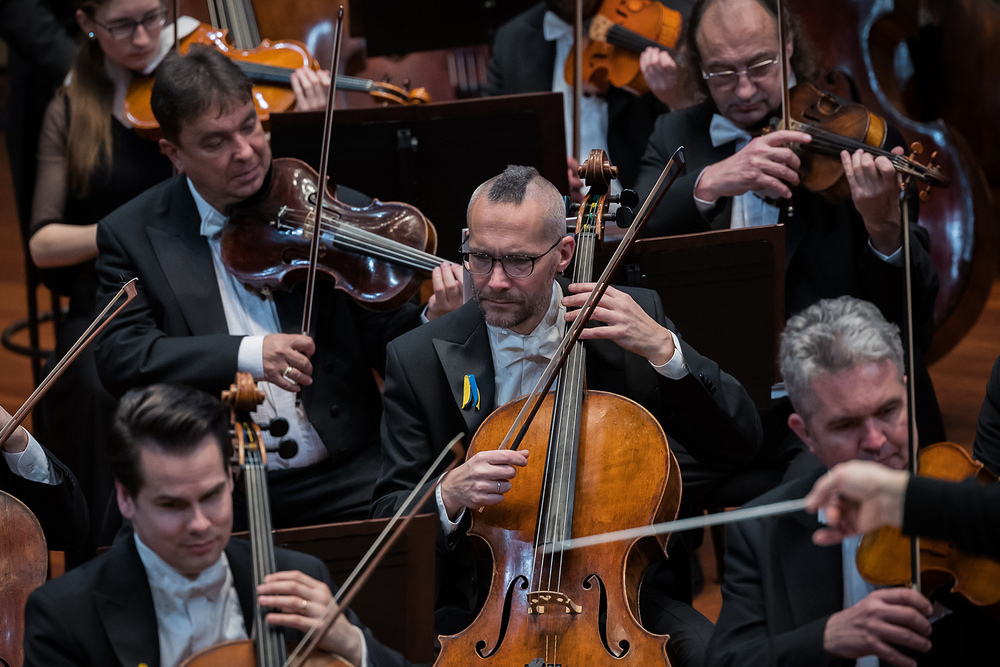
(378, 254)
(270, 66)
(572, 607)
(619, 32)
(267, 647)
(883, 555)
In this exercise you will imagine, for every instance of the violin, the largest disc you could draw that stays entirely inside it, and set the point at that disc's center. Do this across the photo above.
(883, 555)
(837, 125)
(269, 66)
(560, 607)
(619, 32)
(378, 253)
(267, 647)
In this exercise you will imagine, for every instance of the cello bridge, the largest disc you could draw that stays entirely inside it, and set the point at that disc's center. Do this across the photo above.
(540, 601)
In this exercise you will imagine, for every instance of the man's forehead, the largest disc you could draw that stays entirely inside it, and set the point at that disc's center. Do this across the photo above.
(220, 116)
(732, 31)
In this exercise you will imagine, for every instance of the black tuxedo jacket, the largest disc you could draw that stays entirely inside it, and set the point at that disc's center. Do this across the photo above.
(826, 245)
(60, 508)
(986, 447)
(522, 62)
(175, 330)
(707, 411)
(102, 613)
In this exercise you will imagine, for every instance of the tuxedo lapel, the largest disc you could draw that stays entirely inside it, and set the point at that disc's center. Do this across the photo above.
(125, 605)
(238, 555)
(821, 567)
(186, 261)
(469, 356)
(537, 62)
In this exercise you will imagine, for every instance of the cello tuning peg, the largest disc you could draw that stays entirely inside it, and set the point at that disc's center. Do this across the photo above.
(925, 194)
(623, 217)
(933, 156)
(286, 449)
(277, 427)
(916, 148)
(627, 198)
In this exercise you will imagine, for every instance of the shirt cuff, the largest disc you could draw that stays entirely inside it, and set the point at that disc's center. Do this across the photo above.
(251, 356)
(447, 524)
(674, 368)
(364, 648)
(895, 259)
(423, 315)
(704, 207)
(31, 464)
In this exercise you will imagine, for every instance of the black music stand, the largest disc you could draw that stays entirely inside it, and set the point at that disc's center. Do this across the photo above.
(397, 602)
(725, 291)
(432, 156)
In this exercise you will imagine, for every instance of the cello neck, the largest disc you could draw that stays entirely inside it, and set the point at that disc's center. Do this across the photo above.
(238, 18)
(269, 640)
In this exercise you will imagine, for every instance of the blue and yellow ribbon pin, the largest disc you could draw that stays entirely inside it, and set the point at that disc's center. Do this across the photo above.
(470, 392)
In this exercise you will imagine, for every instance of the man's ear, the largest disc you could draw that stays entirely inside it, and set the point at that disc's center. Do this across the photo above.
(172, 150)
(566, 248)
(126, 505)
(799, 427)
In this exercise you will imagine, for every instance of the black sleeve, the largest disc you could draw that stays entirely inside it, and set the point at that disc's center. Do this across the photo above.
(986, 447)
(966, 513)
(31, 30)
(60, 508)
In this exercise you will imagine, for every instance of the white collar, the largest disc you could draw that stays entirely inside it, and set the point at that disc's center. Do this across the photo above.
(554, 28)
(211, 220)
(170, 584)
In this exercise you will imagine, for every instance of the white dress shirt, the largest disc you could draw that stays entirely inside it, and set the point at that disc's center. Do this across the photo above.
(593, 108)
(252, 316)
(191, 614)
(855, 587)
(519, 361)
(31, 464)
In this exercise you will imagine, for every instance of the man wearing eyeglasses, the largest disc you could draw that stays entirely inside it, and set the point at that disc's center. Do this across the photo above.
(447, 377)
(735, 174)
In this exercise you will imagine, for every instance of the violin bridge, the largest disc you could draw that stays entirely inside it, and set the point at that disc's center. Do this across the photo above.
(539, 601)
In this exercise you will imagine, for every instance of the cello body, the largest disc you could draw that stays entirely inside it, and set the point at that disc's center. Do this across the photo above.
(23, 567)
(622, 480)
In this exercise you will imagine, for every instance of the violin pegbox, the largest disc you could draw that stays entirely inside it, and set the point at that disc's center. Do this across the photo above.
(932, 174)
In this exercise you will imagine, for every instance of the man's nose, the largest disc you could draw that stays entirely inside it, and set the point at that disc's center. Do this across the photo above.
(499, 280)
(873, 437)
(244, 147)
(198, 521)
(745, 88)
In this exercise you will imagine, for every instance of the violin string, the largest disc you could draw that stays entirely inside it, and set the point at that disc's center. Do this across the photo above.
(824, 139)
(361, 240)
(627, 39)
(399, 250)
(277, 74)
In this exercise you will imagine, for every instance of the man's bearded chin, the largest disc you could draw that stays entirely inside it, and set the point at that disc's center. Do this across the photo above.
(526, 308)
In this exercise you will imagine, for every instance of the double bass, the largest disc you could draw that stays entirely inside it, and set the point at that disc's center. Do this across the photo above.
(591, 451)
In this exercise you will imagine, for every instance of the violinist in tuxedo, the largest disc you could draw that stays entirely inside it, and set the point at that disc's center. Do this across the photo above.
(789, 601)
(195, 323)
(176, 582)
(46, 486)
(735, 175)
(500, 343)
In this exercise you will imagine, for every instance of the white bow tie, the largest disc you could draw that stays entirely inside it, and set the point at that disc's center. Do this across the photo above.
(538, 346)
(722, 130)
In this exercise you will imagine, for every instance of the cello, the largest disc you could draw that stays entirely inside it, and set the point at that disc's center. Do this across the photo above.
(550, 607)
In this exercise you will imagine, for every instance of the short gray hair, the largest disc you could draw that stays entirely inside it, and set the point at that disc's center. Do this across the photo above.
(830, 336)
(512, 187)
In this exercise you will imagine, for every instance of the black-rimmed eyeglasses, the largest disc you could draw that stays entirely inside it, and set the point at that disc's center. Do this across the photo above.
(126, 29)
(515, 266)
